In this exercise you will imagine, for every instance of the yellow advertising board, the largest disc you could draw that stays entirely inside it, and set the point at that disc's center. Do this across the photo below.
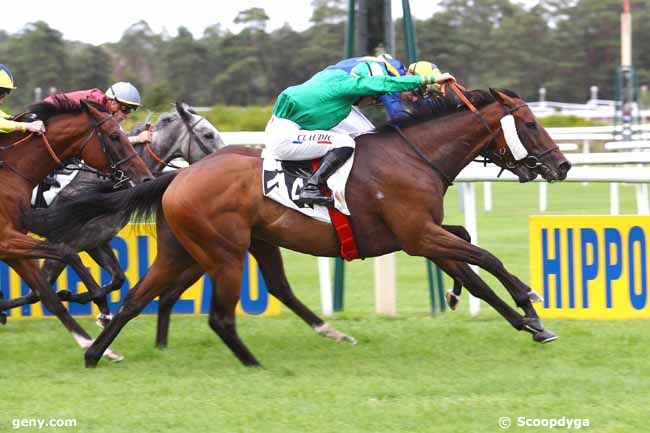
(135, 248)
(590, 267)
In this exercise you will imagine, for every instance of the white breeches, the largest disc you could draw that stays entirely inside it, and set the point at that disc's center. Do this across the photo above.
(285, 139)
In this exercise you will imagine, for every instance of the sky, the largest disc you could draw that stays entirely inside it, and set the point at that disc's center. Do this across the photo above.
(108, 20)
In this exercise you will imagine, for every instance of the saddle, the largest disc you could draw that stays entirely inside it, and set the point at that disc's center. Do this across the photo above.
(282, 182)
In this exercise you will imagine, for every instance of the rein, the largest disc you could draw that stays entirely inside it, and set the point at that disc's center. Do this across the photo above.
(192, 135)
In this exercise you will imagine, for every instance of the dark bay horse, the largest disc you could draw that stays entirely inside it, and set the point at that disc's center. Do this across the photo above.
(87, 130)
(215, 210)
(179, 134)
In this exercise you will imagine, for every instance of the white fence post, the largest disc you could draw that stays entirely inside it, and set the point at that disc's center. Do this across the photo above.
(487, 196)
(469, 204)
(385, 298)
(325, 286)
(642, 199)
(543, 196)
(614, 202)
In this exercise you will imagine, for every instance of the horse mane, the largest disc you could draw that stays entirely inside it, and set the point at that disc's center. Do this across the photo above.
(437, 106)
(61, 105)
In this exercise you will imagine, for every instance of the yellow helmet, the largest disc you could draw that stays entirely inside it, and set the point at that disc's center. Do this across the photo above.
(424, 68)
(6, 79)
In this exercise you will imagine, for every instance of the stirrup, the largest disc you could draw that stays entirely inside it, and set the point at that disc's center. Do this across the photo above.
(317, 200)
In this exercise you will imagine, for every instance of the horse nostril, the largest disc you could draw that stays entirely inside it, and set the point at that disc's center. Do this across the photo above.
(565, 166)
(147, 179)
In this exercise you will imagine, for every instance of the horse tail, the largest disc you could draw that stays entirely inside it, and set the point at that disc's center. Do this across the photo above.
(140, 203)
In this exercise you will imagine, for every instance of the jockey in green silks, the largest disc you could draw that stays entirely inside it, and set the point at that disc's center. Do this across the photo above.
(317, 119)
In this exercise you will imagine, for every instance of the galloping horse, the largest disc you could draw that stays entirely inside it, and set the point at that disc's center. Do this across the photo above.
(179, 134)
(215, 210)
(86, 130)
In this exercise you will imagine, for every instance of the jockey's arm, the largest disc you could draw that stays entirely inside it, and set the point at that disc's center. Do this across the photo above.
(377, 85)
(7, 126)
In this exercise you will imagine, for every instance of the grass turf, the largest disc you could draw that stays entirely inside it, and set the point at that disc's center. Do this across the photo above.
(410, 373)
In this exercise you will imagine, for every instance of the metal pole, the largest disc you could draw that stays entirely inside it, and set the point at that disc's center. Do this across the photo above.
(339, 280)
(409, 33)
(350, 30)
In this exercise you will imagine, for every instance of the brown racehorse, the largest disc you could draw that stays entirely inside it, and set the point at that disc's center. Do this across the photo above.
(86, 130)
(216, 211)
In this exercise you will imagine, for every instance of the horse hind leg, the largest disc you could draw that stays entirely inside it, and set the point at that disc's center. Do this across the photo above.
(169, 297)
(226, 281)
(270, 262)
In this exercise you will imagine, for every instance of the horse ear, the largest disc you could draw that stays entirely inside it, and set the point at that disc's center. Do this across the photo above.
(501, 97)
(181, 108)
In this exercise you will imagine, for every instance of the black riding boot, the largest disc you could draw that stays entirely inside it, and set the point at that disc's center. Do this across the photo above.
(332, 161)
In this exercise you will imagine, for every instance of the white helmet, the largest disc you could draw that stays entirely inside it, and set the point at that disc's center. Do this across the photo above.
(125, 93)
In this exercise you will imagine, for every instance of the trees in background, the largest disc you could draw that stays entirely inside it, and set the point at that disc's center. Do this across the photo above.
(563, 45)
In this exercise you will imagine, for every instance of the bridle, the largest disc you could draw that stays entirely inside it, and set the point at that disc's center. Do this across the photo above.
(116, 174)
(530, 161)
(193, 137)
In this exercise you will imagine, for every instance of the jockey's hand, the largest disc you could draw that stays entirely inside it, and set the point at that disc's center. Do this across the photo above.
(37, 126)
(145, 136)
(445, 77)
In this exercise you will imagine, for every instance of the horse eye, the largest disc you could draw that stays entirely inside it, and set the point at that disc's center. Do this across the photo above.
(115, 137)
(166, 119)
(531, 125)
(209, 136)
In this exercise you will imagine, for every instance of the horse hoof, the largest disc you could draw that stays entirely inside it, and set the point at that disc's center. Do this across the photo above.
(64, 295)
(3, 318)
(452, 299)
(533, 325)
(113, 356)
(325, 330)
(103, 320)
(534, 297)
(90, 361)
(544, 336)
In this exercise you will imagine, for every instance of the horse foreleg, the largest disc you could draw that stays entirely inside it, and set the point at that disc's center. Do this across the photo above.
(437, 243)
(105, 257)
(30, 273)
(270, 262)
(453, 296)
(17, 246)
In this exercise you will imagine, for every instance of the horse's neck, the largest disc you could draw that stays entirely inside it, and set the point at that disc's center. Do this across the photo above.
(453, 141)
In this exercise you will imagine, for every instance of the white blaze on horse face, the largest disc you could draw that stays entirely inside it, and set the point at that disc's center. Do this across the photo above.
(512, 138)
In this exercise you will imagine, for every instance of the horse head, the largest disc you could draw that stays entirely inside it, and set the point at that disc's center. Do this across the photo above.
(521, 144)
(183, 134)
(108, 149)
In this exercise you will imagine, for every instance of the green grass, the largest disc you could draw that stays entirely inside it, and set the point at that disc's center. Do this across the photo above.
(409, 373)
